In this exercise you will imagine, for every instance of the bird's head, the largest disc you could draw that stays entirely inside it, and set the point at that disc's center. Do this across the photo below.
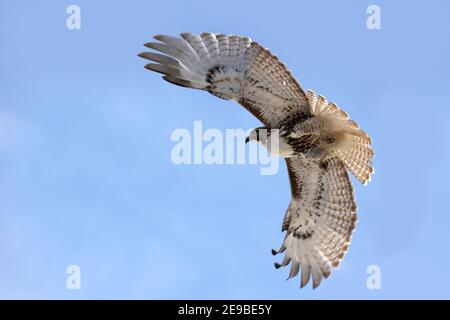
(258, 135)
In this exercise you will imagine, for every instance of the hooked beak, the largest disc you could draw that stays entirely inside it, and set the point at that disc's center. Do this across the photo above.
(247, 139)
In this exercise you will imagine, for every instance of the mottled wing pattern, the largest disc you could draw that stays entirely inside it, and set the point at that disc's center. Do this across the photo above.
(320, 219)
(231, 67)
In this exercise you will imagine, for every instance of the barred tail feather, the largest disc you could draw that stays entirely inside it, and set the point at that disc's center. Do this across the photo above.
(353, 146)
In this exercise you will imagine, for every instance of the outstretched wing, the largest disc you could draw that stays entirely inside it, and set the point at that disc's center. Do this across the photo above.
(320, 219)
(231, 67)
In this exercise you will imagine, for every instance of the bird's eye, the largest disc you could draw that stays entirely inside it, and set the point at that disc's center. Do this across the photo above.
(330, 140)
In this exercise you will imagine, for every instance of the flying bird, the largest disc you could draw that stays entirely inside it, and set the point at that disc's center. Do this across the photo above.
(318, 140)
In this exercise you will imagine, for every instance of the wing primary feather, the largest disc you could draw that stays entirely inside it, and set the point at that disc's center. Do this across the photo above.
(305, 275)
(164, 69)
(233, 68)
(281, 250)
(285, 262)
(295, 267)
(163, 59)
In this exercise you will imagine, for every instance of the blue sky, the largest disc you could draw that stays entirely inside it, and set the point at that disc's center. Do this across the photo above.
(86, 176)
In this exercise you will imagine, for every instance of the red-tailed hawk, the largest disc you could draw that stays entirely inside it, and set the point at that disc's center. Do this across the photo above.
(317, 139)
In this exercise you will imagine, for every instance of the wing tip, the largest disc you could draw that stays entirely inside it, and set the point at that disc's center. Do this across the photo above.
(151, 45)
(159, 37)
(186, 35)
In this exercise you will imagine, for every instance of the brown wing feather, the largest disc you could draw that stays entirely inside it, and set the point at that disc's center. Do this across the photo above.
(320, 219)
(231, 67)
